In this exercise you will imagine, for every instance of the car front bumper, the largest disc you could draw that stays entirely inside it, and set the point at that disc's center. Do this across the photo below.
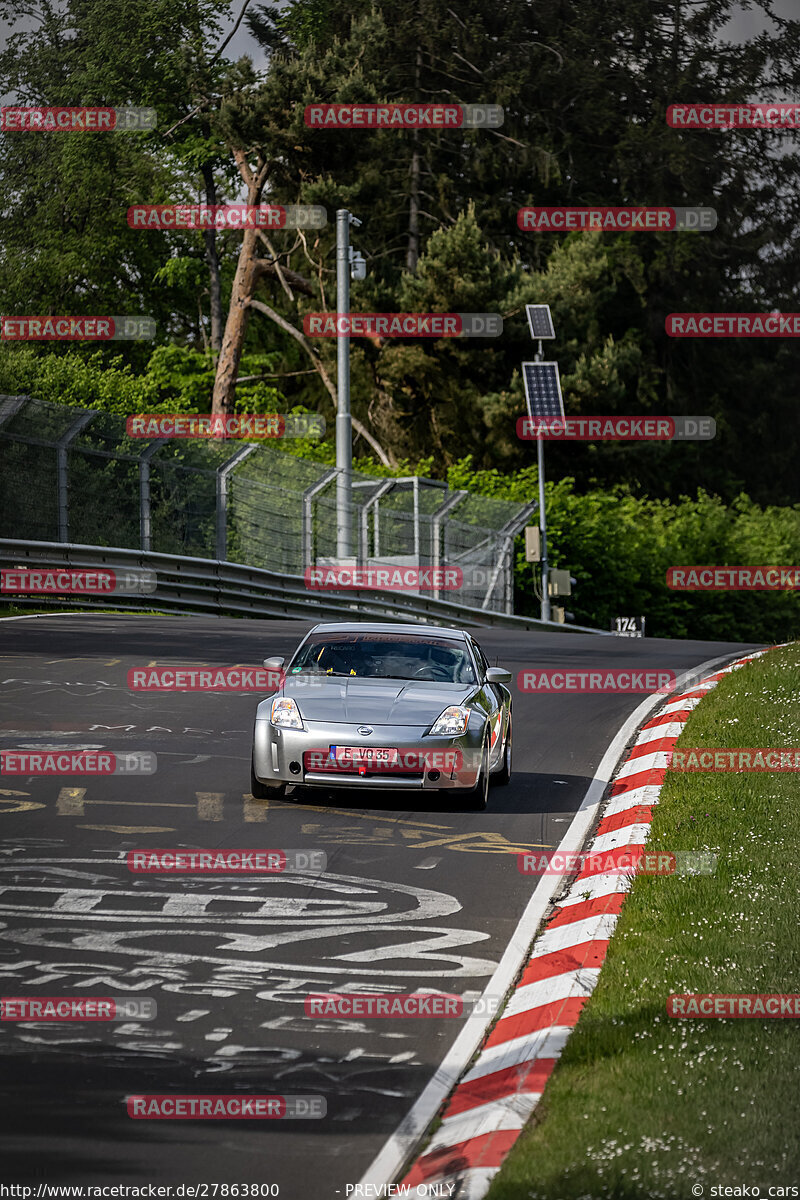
(279, 756)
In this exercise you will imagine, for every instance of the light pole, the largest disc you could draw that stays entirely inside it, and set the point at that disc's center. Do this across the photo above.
(545, 605)
(344, 440)
(348, 262)
(543, 396)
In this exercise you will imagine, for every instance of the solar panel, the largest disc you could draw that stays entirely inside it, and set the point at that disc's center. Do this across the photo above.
(540, 321)
(543, 389)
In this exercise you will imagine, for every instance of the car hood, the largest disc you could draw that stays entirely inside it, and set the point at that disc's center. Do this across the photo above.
(373, 701)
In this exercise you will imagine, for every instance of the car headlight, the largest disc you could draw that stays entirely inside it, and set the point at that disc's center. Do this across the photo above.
(452, 721)
(285, 713)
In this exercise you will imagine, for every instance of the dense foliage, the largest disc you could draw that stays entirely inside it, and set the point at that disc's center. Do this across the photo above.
(585, 88)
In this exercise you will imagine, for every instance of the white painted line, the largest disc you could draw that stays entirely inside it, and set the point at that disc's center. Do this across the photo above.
(83, 612)
(680, 705)
(489, 1118)
(541, 1043)
(575, 933)
(646, 795)
(403, 1142)
(628, 835)
(547, 991)
(594, 887)
(672, 730)
(657, 761)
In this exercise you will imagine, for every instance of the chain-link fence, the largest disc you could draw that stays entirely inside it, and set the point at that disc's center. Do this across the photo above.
(75, 475)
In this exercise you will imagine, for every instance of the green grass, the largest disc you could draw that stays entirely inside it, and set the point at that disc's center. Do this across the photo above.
(644, 1105)
(60, 606)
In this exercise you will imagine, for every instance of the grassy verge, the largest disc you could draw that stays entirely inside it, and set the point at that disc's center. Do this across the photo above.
(644, 1105)
(23, 610)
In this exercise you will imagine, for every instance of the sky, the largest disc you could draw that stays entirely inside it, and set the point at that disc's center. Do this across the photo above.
(745, 23)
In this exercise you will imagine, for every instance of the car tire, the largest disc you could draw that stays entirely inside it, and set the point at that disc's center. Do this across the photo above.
(476, 798)
(264, 791)
(503, 776)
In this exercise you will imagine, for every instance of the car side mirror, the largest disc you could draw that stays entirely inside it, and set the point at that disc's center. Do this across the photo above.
(275, 664)
(498, 675)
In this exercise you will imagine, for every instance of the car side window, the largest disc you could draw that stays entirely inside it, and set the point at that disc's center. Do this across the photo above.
(480, 658)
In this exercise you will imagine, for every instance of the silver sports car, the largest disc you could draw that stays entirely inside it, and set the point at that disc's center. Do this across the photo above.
(384, 706)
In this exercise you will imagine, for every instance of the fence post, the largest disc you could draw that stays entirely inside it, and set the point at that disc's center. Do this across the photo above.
(505, 560)
(10, 406)
(63, 469)
(145, 531)
(222, 498)
(308, 514)
(442, 516)
(381, 489)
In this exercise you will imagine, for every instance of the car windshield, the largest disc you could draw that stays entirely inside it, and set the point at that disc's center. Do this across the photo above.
(384, 656)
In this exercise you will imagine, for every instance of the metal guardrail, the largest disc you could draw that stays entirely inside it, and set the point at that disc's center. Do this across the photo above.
(253, 504)
(204, 585)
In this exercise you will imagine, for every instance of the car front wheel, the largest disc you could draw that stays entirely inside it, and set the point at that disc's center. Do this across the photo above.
(264, 791)
(477, 797)
(503, 775)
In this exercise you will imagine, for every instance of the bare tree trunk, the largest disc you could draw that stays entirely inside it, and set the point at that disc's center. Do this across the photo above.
(212, 259)
(235, 327)
(248, 269)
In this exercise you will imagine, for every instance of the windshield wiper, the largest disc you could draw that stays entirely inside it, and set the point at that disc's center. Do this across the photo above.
(322, 675)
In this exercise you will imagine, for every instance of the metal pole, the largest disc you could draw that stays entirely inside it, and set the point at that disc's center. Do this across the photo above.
(145, 526)
(63, 472)
(344, 440)
(440, 516)
(415, 486)
(222, 498)
(309, 557)
(545, 608)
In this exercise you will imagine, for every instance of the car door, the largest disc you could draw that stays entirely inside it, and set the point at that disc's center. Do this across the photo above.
(494, 701)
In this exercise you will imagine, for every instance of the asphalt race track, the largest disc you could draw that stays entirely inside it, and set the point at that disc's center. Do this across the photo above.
(416, 895)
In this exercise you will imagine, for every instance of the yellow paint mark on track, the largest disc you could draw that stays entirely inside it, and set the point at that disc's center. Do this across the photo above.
(209, 805)
(19, 806)
(254, 810)
(70, 802)
(132, 828)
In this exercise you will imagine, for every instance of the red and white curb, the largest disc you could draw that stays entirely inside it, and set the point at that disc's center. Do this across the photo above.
(495, 1098)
